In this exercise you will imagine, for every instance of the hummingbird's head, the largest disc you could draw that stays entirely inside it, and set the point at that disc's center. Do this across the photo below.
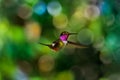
(64, 35)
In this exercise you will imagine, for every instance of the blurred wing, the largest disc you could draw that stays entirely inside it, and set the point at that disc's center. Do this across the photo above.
(77, 45)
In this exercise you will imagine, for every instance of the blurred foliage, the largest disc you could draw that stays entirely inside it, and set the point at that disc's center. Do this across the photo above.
(25, 23)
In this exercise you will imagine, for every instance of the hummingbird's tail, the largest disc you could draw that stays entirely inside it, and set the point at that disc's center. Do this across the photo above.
(45, 44)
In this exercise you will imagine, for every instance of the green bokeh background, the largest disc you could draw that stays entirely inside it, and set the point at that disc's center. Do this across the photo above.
(21, 58)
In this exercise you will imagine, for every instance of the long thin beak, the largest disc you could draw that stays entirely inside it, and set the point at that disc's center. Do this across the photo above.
(72, 33)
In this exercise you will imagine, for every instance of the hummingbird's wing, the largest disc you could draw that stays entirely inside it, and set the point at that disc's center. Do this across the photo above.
(77, 45)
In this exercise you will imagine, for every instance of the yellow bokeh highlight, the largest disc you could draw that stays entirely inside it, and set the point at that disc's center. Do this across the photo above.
(46, 63)
(78, 20)
(60, 21)
(66, 75)
(32, 30)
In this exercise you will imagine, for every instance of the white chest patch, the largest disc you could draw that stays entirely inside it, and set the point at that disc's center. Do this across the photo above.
(65, 42)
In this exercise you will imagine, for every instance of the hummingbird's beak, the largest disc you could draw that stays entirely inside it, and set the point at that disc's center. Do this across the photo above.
(72, 33)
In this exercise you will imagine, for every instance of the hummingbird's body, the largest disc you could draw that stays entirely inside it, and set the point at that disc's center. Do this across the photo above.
(64, 37)
(57, 45)
(61, 42)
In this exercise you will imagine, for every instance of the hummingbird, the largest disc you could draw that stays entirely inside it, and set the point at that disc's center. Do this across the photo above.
(62, 41)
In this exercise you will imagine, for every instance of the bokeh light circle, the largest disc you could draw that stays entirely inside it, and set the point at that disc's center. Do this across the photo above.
(109, 20)
(54, 8)
(92, 12)
(46, 63)
(105, 57)
(99, 43)
(77, 21)
(60, 21)
(40, 8)
(32, 30)
(104, 8)
(85, 36)
(24, 11)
